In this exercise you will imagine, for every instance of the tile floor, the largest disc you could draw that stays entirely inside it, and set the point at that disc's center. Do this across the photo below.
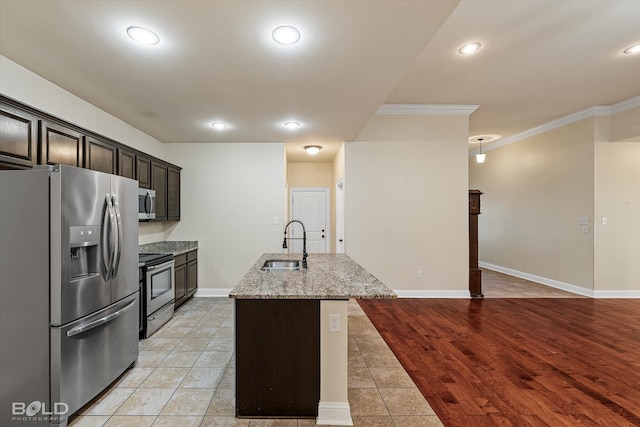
(185, 377)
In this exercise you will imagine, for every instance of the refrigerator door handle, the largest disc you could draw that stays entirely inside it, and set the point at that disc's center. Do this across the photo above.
(105, 246)
(118, 245)
(101, 321)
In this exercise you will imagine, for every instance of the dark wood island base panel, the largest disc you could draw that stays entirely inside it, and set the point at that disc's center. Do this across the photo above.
(277, 358)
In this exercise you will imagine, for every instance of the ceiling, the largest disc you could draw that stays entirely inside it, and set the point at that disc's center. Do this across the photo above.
(216, 61)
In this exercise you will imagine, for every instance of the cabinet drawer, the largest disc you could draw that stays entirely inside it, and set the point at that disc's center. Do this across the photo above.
(181, 259)
(192, 255)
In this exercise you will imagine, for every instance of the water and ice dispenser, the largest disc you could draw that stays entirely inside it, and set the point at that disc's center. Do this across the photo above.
(85, 252)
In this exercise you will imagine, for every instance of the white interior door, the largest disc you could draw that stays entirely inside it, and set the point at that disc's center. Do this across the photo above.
(340, 216)
(312, 208)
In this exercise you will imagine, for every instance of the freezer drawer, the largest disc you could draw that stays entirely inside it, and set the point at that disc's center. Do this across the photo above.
(89, 354)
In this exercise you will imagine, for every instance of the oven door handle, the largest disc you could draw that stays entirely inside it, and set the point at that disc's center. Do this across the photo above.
(98, 322)
(160, 266)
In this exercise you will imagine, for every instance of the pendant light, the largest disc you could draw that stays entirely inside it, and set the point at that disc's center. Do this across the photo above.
(480, 156)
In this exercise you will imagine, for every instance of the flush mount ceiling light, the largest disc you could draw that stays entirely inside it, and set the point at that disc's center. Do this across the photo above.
(142, 35)
(469, 48)
(312, 149)
(632, 49)
(286, 35)
(291, 125)
(219, 125)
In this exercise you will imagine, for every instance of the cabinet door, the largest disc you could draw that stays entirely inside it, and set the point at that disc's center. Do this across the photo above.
(18, 137)
(277, 358)
(192, 277)
(126, 163)
(100, 156)
(159, 184)
(173, 194)
(143, 171)
(60, 145)
(181, 284)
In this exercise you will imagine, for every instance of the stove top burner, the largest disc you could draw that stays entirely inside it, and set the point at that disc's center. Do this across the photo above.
(154, 259)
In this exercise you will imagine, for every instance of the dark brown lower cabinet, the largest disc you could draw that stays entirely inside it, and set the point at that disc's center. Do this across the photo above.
(186, 276)
(277, 358)
(180, 283)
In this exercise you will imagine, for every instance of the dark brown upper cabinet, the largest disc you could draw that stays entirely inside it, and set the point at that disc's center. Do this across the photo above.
(143, 171)
(100, 155)
(18, 138)
(173, 194)
(60, 145)
(159, 184)
(30, 137)
(126, 163)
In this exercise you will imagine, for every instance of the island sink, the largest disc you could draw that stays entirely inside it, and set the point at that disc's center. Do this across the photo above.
(281, 264)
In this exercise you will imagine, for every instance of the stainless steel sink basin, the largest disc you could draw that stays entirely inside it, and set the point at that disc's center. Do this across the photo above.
(281, 264)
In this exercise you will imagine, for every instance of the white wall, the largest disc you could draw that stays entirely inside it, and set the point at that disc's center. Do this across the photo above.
(617, 198)
(534, 192)
(22, 85)
(229, 196)
(407, 203)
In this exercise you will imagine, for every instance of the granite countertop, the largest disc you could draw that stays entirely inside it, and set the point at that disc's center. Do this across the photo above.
(328, 276)
(175, 247)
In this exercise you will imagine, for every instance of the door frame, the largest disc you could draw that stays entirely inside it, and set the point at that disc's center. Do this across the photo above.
(340, 228)
(327, 207)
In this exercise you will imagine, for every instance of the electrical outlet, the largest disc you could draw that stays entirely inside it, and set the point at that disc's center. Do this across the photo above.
(334, 323)
(275, 220)
(419, 274)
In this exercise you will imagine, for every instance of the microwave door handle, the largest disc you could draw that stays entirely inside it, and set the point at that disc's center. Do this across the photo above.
(148, 203)
(105, 250)
(101, 321)
(118, 245)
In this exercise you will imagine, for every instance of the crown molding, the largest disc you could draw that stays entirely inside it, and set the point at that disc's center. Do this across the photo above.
(427, 109)
(597, 110)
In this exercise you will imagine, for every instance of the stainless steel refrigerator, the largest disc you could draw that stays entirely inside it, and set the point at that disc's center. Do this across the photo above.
(68, 289)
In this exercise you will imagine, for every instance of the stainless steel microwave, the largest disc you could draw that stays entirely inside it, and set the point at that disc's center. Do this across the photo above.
(146, 204)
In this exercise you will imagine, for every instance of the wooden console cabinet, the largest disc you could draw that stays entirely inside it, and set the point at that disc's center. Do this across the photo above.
(475, 274)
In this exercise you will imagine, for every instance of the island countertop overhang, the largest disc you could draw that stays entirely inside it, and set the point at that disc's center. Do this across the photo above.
(328, 277)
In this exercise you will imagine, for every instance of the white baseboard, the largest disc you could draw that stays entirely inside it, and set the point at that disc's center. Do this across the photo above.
(561, 285)
(334, 414)
(212, 292)
(617, 294)
(539, 279)
(432, 294)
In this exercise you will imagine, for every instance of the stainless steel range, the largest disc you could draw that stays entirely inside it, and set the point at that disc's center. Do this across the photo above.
(158, 292)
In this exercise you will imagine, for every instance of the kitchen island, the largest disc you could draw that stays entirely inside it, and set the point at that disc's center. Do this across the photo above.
(291, 337)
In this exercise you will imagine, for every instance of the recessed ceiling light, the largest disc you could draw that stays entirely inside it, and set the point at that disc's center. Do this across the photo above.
(312, 149)
(142, 35)
(291, 125)
(633, 49)
(219, 125)
(286, 35)
(469, 48)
